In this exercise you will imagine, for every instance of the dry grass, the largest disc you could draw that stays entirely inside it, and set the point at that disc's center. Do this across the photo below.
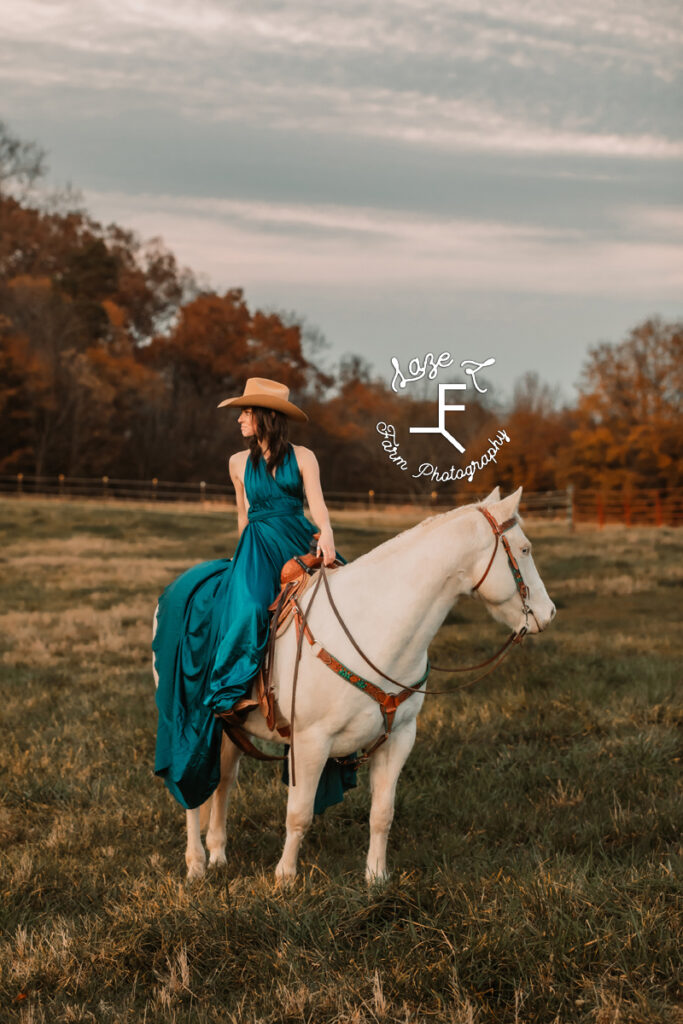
(537, 837)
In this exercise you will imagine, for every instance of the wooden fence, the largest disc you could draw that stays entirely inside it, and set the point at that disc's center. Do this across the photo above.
(644, 507)
(634, 508)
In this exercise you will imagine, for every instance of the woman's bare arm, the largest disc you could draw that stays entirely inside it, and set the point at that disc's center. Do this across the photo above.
(234, 468)
(310, 471)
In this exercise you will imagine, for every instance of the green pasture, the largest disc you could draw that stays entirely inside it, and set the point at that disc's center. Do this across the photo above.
(535, 853)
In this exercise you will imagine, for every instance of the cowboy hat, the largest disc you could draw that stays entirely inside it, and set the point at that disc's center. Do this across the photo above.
(269, 395)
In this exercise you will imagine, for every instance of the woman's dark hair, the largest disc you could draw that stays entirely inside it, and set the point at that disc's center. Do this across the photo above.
(273, 427)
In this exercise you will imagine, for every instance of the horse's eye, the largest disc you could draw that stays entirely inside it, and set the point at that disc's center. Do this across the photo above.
(526, 550)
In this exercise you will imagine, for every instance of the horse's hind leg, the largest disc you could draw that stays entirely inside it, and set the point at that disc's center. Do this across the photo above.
(310, 757)
(215, 810)
(385, 768)
(195, 858)
(216, 833)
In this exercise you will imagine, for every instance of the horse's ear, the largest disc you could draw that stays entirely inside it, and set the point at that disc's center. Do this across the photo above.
(509, 507)
(493, 497)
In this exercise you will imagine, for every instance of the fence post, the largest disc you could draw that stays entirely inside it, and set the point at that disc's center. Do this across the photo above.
(371, 500)
(154, 488)
(105, 481)
(658, 510)
(627, 511)
(20, 483)
(601, 511)
(570, 507)
(202, 491)
(61, 485)
(434, 496)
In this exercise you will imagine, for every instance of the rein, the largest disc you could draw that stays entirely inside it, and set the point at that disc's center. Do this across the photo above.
(495, 659)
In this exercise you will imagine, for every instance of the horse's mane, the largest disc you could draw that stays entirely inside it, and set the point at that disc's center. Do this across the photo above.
(388, 547)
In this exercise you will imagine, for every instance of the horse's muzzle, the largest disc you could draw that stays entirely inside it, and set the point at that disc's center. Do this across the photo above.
(537, 623)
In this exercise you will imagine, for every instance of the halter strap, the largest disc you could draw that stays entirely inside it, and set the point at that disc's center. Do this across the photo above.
(498, 530)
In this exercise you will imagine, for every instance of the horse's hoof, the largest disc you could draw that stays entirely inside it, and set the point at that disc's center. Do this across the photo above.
(376, 878)
(218, 860)
(284, 877)
(196, 869)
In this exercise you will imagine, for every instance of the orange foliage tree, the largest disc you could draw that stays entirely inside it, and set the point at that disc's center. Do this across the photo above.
(538, 427)
(629, 429)
(78, 303)
(215, 345)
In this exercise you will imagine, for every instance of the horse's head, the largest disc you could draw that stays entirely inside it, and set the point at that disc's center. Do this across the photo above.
(505, 576)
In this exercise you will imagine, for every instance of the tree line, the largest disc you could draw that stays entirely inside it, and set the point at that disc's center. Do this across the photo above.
(113, 359)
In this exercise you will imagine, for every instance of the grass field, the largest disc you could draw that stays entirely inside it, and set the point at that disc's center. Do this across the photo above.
(536, 846)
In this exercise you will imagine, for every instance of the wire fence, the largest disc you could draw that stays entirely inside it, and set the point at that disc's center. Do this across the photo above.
(642, 507)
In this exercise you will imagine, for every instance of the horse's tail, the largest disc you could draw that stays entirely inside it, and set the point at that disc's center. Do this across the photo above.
(154, 630)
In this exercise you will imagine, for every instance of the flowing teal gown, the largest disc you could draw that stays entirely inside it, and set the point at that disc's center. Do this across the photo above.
(212, 630)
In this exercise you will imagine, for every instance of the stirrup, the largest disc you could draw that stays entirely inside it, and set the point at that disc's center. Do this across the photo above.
(236, 714)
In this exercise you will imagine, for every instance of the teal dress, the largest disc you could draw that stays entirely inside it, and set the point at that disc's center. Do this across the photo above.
(212, 630)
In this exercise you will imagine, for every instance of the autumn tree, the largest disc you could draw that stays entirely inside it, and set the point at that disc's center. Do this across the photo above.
(538, 425)
(78, 305)
(215, 345)
(629, 430)
(345, 438)
(21, 163)
(24, 385)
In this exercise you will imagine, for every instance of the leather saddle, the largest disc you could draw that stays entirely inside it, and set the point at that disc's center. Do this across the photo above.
(296, 577)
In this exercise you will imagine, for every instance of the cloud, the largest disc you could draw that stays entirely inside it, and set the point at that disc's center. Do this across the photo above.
(461, 125)
(412, 118)
(655, 222)
(509, 76)
(249, 243)
(405, 26)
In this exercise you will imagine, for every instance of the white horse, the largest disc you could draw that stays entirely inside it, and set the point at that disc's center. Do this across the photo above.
(393, 600)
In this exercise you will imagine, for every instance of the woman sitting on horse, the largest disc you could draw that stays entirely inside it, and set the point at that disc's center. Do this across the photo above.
(212, 622)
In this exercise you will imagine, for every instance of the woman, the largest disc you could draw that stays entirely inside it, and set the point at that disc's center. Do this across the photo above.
(212, 622)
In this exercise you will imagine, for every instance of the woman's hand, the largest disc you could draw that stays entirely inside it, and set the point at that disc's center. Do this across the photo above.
(325, 546)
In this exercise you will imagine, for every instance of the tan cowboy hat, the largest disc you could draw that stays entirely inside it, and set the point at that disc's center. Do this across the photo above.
(268, 394)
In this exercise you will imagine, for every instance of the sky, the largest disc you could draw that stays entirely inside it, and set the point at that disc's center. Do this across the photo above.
(490, 180)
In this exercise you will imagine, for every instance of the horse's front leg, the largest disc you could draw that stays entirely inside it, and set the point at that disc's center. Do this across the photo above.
(216, 834)
(385, 768)
(310, 755)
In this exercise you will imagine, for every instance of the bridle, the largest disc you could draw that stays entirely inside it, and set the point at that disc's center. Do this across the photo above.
(499, 531)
